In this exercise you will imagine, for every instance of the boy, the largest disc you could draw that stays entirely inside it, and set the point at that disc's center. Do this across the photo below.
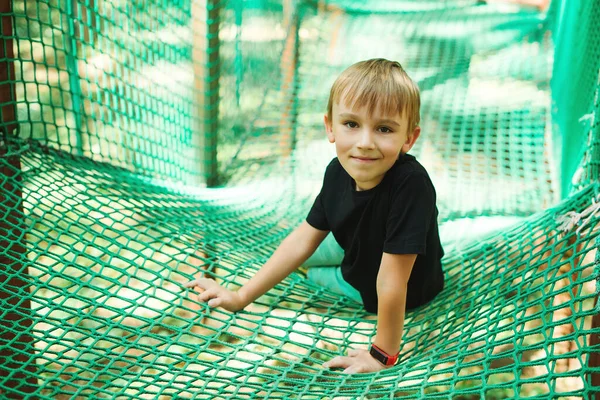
(380, 205)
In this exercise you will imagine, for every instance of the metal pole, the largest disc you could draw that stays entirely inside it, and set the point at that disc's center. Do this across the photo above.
(17, 351)
(207, 70)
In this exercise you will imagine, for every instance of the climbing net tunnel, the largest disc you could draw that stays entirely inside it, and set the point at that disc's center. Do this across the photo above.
(145, 142)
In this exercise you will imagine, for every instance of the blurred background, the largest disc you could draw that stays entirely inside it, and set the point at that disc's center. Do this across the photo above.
(145, 141)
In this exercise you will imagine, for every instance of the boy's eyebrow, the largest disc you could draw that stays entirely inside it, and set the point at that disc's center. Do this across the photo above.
(388, 122)
(381, 121)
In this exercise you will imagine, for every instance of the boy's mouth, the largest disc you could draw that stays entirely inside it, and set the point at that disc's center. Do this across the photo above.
(363, 159)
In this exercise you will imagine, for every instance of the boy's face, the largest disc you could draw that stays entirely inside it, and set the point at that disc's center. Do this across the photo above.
(368, 146)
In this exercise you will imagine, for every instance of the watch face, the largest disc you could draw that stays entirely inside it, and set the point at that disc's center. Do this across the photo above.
(378, 355)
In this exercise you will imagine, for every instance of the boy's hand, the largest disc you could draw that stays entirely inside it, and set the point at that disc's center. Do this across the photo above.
(216, 295)
(357, 362)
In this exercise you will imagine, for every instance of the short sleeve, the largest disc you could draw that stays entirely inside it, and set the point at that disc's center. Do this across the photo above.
(411, 209)
(316, 216)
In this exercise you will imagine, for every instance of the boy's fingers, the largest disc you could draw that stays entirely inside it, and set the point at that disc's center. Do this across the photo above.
(207, 295)
(338, 362)
(191, 284)
(200, 282)
(216, 302)
(352, 370)
(204, 283)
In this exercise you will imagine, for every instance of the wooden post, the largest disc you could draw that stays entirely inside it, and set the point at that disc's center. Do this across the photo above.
(594, 356)
(289, 76)
(17, 353)
(73, 47)
(8, 122)
(207, 70)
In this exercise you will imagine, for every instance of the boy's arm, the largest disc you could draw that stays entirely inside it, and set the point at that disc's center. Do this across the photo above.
(392, 285)
(392, 281)
(291, 253)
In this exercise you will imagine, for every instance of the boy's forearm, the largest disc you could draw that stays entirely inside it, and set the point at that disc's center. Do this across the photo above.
(392, 287)
(291, 253)
(390, 319)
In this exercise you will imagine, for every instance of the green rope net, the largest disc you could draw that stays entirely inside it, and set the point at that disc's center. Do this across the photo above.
(125, 108)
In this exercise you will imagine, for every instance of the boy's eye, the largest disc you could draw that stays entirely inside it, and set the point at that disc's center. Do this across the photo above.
(385, 129)
(351, 124)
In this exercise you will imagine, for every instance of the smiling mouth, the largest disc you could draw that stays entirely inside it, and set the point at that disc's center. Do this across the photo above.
(365, 159)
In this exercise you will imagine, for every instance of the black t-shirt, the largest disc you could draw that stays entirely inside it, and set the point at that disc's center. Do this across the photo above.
(398, 216)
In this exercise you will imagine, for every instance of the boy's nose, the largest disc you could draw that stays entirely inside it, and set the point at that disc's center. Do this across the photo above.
(366, 139)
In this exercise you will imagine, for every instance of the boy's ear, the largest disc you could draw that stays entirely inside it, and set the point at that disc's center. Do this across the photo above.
(411, 139)
(328, 129)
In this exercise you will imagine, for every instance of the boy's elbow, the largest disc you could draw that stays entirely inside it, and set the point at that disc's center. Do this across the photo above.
(394, 273)
(300, 244)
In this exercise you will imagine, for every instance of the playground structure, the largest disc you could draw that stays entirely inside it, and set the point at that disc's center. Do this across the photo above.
(145, 142)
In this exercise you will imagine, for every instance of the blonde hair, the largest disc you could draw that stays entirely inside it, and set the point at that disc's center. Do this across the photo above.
(378, 83)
